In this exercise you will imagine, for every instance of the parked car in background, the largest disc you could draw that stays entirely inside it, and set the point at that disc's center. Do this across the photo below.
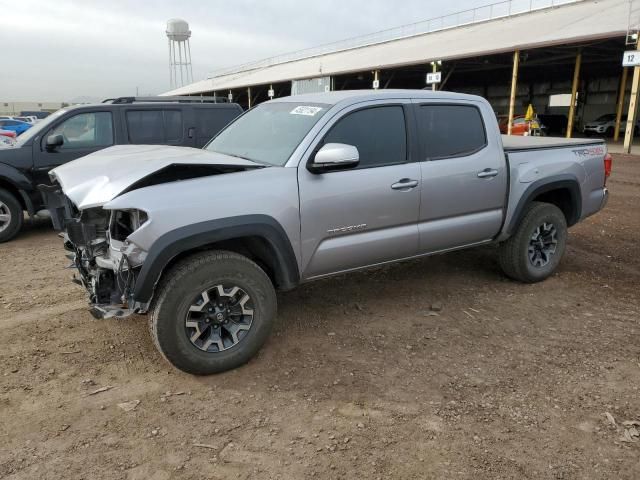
(520, 126)
(38, 114)
(28, 119)
(8, 133)
(15, 126)
(554, 124)
(7, 141)
(604, 126)
(305, 187)
(73, 132)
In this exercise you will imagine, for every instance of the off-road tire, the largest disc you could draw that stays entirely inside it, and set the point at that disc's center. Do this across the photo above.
(11, 203)
(514, 253)
(186, 280)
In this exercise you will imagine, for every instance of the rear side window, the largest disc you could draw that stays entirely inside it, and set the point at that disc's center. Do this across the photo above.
(379, 133)
(154, 126)
(209, 121)
(450, 130)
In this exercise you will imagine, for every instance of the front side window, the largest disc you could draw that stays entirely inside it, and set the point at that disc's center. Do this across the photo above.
(269, 133)
(86, 130)
(450, 130)
(379, 134)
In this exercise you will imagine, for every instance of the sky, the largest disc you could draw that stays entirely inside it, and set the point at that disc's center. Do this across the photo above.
(64, 50)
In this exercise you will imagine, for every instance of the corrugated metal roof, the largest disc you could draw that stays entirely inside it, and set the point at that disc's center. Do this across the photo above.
(571, 23)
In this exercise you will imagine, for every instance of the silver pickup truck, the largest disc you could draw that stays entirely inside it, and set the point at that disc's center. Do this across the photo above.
(304, 187)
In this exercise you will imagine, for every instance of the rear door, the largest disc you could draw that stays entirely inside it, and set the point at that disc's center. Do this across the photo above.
(464, 175)
(367, 214)
(155, 126)
(84, 132)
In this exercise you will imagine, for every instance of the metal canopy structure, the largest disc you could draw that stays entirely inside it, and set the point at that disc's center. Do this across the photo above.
(571, 23)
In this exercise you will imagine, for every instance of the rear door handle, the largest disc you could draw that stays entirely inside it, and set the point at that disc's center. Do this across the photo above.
(487, 173)
(405, 184)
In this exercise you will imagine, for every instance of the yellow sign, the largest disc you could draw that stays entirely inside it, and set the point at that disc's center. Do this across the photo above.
(530, 113)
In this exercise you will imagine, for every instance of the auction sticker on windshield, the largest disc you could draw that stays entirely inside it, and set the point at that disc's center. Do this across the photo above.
(303, 110)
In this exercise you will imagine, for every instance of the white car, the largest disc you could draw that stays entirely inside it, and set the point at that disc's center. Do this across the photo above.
(605, 125)
(6, 142)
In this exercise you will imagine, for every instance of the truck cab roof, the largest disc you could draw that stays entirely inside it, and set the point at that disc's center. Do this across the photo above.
(348, 97)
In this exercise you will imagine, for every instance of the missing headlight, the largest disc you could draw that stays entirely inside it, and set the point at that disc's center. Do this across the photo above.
(125, 222)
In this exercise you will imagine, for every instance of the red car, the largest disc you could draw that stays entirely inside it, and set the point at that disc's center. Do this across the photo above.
(8, 133)
(520, 125)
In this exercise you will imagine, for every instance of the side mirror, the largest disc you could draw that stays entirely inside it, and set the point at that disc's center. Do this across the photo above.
(54, 141)
(335, 156)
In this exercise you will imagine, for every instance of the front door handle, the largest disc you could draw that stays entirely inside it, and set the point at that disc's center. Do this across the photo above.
(487, 173)
(405, 184)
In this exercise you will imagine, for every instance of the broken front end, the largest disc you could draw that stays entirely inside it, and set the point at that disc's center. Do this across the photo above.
(108, 263)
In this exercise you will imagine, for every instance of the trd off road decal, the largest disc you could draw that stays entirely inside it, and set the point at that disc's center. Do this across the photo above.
(589, 152)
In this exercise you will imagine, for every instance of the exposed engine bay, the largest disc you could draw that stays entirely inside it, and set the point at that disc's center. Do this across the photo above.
(107, 262)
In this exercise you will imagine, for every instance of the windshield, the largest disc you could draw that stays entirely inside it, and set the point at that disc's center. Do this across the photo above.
(269, 133)
(606, 118)
(39, 127)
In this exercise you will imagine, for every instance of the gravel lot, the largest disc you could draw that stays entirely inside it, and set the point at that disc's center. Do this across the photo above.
(437, 368)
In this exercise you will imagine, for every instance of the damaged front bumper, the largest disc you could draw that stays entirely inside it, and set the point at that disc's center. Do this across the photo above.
(107, 262)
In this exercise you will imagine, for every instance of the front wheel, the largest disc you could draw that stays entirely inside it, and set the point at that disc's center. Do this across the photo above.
(213, 312)
(535, 249)
(11, 216)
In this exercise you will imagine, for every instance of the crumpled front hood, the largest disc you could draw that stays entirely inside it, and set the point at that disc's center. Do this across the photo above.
(96, 179)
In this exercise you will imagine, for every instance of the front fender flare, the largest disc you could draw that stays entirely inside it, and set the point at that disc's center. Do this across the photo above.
(193, 237)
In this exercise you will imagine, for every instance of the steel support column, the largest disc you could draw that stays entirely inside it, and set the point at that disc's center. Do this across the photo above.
(434, 69)
(633, 110)
(620, 106)
(249, 96)
(514, 87)
(574, 93)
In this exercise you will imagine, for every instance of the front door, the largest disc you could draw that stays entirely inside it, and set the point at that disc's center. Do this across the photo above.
(365, 215)
(464, 175)
(83, 133)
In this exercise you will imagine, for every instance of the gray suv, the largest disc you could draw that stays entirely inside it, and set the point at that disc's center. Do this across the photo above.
(306, 187)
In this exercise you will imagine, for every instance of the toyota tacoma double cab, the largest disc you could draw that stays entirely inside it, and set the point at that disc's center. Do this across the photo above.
(302, 188)
(79, 130)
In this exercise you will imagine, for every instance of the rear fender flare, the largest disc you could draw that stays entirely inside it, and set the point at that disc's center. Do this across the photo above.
(556, 182)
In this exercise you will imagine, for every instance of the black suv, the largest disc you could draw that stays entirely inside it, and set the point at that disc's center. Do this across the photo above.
(74, 132)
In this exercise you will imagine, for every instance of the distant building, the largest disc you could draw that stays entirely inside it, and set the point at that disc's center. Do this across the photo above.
(15, 108)
(549, 48)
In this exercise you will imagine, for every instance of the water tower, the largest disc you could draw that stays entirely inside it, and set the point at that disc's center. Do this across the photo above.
(180, 71)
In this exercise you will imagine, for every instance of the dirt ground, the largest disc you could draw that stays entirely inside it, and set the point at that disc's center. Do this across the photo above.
(437, 368)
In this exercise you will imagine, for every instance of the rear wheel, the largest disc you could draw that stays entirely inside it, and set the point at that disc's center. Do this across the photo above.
(535, 249)
(11, 216)
(213, 312)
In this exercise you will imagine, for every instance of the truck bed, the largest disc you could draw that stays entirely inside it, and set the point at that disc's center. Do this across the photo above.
(514, 143)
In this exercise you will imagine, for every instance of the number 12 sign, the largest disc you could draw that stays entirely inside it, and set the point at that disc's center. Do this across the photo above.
(631, 58)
